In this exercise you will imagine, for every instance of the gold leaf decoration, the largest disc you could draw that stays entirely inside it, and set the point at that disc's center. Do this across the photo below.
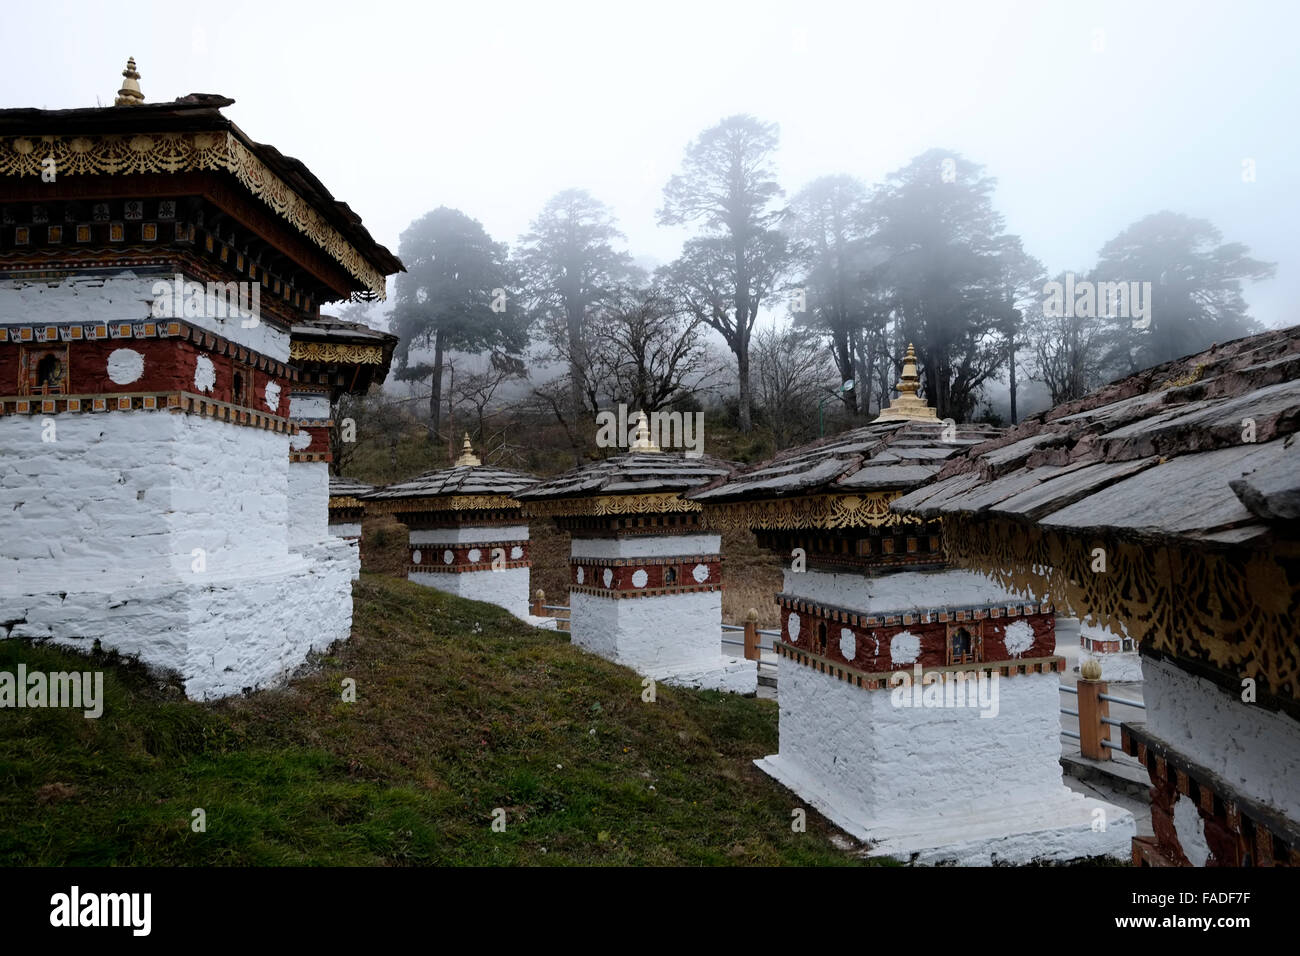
(600, 505)
(114, 155)
(869, 510)
(329, 352)
(1235, 612)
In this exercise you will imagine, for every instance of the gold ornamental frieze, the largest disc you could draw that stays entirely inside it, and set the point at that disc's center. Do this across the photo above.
(825, 512)
(125, 155)
(441, 503)
(601, 505)
(1234, 611)
(336, 352)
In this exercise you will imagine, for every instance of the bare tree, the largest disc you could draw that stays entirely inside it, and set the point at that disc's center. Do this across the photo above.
(649, 353)
(1069, 352)
(792, 373)
(475, 392)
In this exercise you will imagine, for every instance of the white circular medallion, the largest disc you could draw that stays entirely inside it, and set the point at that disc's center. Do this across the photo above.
(125, 366)
(701, 573)
(301, 440)
(416, 556)
(516, 553)
(1019, 637)
(904, 647)
(608, 577)
(205, 374)
(580, 574)
(848, 644)
(272, 396)
(474, 555)
(448, 557)
(639, 578)
(792, 627)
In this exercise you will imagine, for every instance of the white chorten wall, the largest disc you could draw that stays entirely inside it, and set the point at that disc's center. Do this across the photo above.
(969, 785)
(1254, 750)
(157, 533)
(348, 530)
(125, 297)
(446, 547)
(971, 779)
(309, 498)
(675, 637)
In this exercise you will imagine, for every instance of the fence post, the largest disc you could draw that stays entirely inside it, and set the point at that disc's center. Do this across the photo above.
(751, 635)
(538, 600)
(1091, 709)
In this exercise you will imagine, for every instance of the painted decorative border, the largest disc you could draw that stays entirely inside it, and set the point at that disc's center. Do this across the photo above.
(880, 680)
(184, 402)
(643, 562)
(166, 329)
(339, 353)
(444, 503)
(974, 612)
(432, 556)
(620, 594)
(123, 155)
(869, 510)
(616, 577)
(659, 503)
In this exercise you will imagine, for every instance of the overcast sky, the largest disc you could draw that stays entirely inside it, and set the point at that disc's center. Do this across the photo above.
(1091, 115)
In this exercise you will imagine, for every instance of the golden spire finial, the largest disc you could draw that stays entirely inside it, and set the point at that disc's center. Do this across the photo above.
(909, 382)
(908, 404)
(129, 94)
(467, 457)
(643, 441)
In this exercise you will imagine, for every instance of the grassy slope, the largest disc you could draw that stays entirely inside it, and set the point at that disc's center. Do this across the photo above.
(460, 709)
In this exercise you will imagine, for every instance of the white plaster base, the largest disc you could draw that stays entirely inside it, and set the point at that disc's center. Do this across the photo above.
(221, 634)
(940, 785)
(1255, 751)
(674, 638)
(507, 588)
(309, 496)
(166, 536)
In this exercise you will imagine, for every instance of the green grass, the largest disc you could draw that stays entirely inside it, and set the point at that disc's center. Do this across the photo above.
(450, 722)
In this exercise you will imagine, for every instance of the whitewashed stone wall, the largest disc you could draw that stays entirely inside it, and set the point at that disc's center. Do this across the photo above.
(676, 638)
(507, 588)
(345, 529)
(167, 536)
(939, 784)
(305, 406)
(126, 297)
(309, 501)
(903, 590)
(646, 546)
(468, 535)
(1256, 751)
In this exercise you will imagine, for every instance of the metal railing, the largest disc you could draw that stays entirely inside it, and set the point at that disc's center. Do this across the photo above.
(1094, 718)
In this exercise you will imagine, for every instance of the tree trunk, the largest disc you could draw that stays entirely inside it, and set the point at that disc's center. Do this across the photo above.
(577, 381)
(742, 368)
(435, 395)
(1012, 349)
